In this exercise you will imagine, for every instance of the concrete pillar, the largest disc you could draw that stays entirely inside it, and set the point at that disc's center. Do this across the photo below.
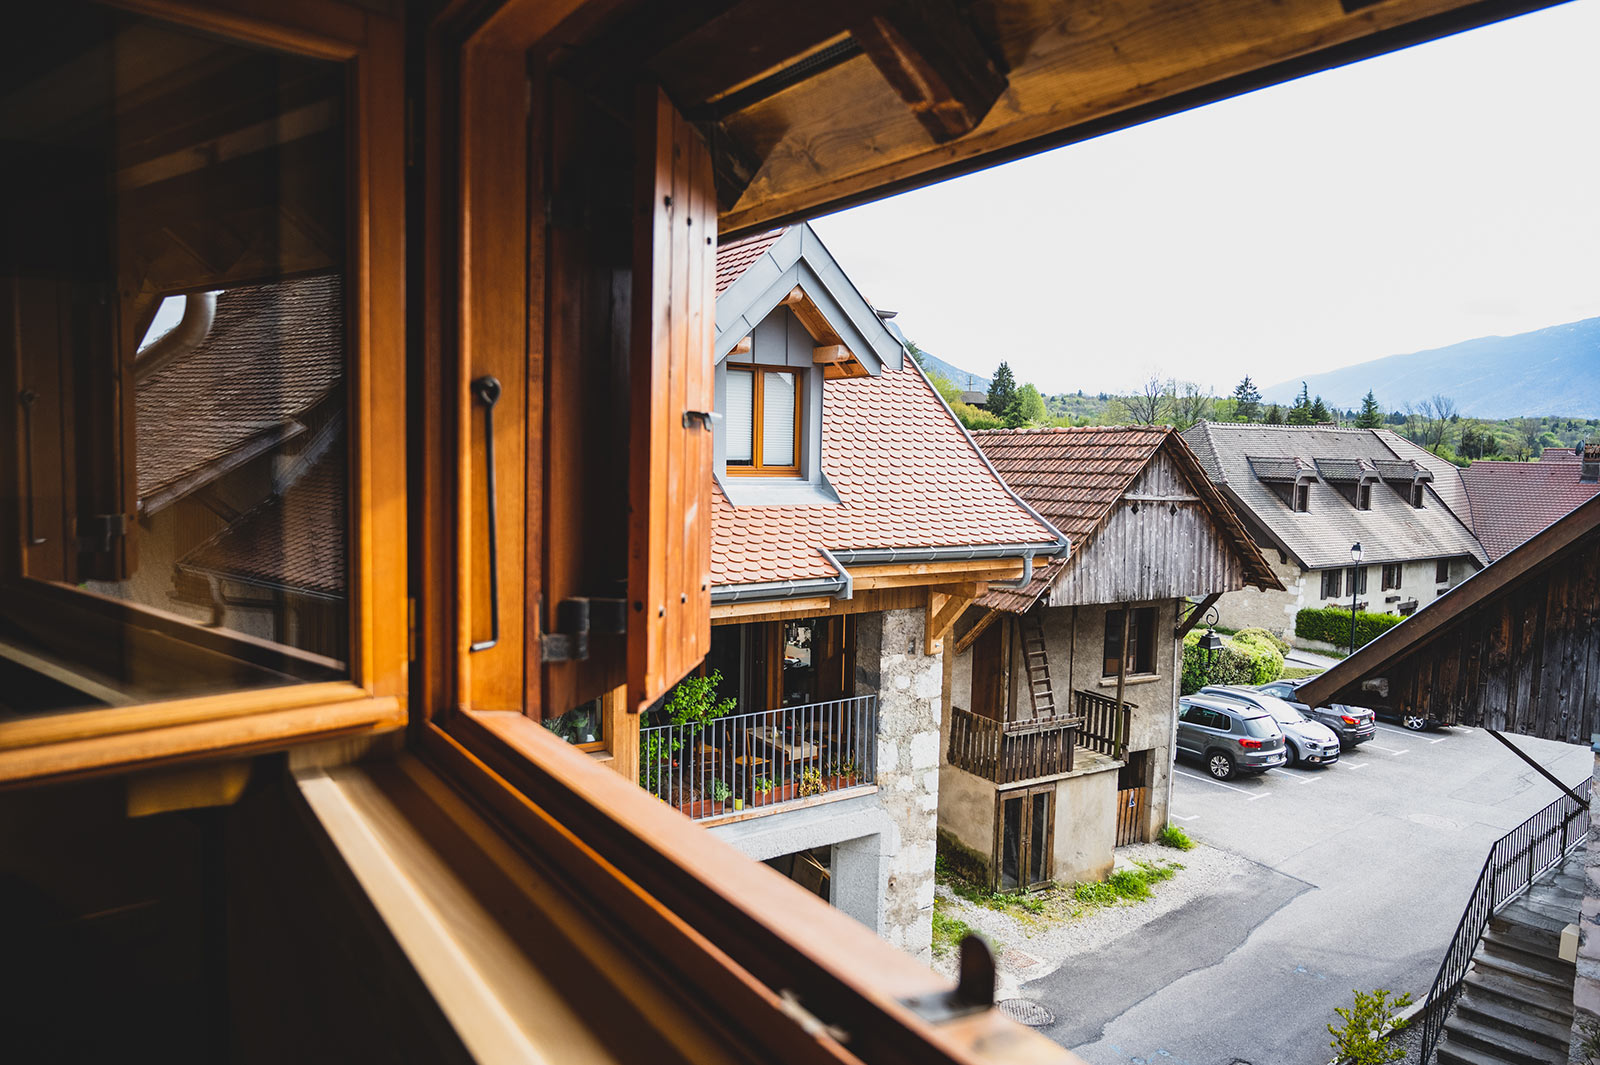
(890, 662)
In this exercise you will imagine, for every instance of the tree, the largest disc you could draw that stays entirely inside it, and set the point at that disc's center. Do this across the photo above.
(1002, 390)
(1477, 441)
(1300, 413)
(1189, 404)
(1149, 406)
(1433, 421)
(1370, 417)
(1273, 415)
(1247, 399)
(1027, 408)
(917, 353)
(1319, 412)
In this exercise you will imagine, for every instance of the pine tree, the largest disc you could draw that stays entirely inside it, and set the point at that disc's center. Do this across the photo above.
(1320, 412)
(1370, 417)
(1300, 413)
(1002, 391)
(1247, 400)
(1273, 415)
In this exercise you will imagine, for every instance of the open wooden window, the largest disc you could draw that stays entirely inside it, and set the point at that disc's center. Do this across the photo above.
(1141, 650)
(763, 421)
(198, 344)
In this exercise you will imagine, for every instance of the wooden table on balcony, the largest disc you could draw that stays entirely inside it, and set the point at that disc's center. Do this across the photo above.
(794, 749)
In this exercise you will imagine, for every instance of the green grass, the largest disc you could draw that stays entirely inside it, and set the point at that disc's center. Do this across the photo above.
(948, 931)
(1176, 838)
(1299, 672)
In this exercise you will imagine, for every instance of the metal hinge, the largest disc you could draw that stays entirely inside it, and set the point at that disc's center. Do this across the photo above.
(575, 619)
(96, 531)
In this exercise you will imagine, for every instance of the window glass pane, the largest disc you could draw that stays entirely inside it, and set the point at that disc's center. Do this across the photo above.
(173, 274)
(739, 419)
(777, 419)
(1039, 839)
(582, 724)
(1011, 844)
(799, 676)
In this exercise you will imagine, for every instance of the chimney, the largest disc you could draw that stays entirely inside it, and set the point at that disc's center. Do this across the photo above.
(1589, 455)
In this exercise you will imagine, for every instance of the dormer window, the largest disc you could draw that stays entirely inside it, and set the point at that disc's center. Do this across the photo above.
(1417, 494)
(1589, 456)
(1302, 497)
(1364, 497)
(761, 421)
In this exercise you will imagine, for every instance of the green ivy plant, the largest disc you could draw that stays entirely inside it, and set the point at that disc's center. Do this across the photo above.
(690, 706)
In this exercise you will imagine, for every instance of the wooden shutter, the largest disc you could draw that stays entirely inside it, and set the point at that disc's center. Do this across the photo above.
(674, 307)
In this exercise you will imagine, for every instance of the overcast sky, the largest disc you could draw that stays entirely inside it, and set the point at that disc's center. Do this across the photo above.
(1437, 194)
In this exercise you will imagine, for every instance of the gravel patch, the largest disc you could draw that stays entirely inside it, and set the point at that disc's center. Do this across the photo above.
(1030, 945)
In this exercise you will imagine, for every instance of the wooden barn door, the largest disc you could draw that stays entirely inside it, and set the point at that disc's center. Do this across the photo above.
(1133, 799)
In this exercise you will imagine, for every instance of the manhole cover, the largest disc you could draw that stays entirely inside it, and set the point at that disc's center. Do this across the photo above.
(1026, 1011)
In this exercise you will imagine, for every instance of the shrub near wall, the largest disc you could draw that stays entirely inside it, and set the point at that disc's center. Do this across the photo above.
(1244, 659)
(1332, 625)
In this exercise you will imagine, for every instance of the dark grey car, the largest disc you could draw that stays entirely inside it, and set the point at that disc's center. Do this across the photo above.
(1354, 724)
(1306, 741)
(1228, 736)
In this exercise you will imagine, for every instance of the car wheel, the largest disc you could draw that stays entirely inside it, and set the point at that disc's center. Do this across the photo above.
(1414, 722)
(1220, 765)
(1291, 756)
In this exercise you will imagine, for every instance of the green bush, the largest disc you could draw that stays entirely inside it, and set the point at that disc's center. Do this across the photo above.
(1332, 625)
(1269, 637)
(1361, 1039)
(1175, 837)
(1244, 659)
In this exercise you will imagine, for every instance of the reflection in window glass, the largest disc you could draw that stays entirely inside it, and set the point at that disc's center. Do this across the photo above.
(581, 725)
(179, 316)
(799, 673)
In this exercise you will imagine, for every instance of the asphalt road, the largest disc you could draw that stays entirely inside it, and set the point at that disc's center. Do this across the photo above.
(1362, 869)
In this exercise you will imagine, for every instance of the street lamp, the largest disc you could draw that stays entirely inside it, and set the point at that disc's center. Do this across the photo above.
(1355, 556)
(1210, 643)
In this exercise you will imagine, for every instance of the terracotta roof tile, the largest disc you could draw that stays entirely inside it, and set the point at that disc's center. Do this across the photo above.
(274, 351)
(734, 259)
(906, 473)
(1513, 501)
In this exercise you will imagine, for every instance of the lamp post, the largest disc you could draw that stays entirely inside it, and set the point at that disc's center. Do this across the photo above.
(1210, 643)
(1355, 556)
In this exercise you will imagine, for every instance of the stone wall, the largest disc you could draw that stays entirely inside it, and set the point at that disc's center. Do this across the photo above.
(889, 661)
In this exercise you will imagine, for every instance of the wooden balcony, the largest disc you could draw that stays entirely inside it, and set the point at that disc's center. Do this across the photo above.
(1011, 751)
(1105, 725)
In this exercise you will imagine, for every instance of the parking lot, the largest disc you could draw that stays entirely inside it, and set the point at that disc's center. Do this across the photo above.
(1361, 872)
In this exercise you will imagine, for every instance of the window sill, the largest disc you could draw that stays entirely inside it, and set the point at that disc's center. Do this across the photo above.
(223, 726)
(1130, 680)
(753, 491)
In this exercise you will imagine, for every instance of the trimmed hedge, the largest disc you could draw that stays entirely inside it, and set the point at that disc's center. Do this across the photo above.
(1332, 625)
(1270, 637)
(1244, 659)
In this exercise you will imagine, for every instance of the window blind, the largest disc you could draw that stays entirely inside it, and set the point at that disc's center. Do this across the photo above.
(739, 418)
(777, 419)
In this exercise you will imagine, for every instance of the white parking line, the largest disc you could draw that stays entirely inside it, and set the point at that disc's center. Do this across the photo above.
(1388, 750)
(1398, 731)
(1441, 739)
(1220, 784)
(1358, 765)
(1191, 817)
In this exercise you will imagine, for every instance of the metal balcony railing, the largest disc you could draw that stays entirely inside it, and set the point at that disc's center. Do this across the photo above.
(763, 761)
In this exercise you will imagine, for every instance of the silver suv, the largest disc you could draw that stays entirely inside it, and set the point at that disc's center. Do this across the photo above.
(1228, 736)
(1354, 724)
(1306, 742)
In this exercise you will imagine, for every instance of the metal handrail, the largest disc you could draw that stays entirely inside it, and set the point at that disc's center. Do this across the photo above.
(1514, 862)
(759, 761)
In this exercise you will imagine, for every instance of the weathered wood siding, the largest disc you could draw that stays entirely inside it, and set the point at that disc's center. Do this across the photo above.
(1525, 661)
(1152, 550)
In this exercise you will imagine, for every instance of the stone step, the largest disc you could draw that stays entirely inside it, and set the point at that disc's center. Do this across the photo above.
(1491, 1012)
(1535, 1000)
(1546, 934)
(1514, 947)
(1551, 909)
(1557, 975)
(1501, 1046)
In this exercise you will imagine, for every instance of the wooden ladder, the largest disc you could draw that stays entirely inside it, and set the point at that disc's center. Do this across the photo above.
(1038, 665)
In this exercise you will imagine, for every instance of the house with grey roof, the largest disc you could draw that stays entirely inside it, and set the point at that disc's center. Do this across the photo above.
(1308, 495)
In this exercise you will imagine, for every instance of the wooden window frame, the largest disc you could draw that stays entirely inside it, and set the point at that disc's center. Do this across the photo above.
(1441, 571)
(1300, 497)
(1025, 828)
(373, 700)
(1356, 579)
(1133, 638)
(1335, 578)
(758, 390)
(1394, 567)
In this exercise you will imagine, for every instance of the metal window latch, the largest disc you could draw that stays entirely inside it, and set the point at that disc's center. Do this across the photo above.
(486, 390)
(96, 531)
(973, 993)
(704, 417)
(576, 619)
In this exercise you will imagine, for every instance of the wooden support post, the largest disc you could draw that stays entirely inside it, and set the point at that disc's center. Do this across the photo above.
(622, 732)
(1122, 680)
(946, 603)
(969, 637)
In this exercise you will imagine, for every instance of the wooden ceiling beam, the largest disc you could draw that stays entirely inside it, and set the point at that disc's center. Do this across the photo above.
(931, 54)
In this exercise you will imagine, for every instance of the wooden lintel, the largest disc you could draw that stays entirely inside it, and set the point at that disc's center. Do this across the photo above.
(824, 354)
(733, 164)
(941, 614)
(929, 51)
(913, 579)
(1196, 614)
(964, 590)
(968, 638)
(996, 569)
(744, 347)
(811, 317)
(816, 604)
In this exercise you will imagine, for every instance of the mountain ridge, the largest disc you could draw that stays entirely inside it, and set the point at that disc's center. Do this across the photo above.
(1554, 371)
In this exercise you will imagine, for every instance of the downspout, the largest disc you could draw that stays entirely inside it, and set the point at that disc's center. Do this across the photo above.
(199, 311)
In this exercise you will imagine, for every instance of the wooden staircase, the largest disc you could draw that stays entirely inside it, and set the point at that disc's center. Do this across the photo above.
(1038, 666)
(1516, 1004)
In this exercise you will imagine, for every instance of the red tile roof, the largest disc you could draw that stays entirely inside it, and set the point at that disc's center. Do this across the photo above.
(734, 259)
(906, 473)
(274, 351)
(1075, 478)
(293, 541)
(1513, 501)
